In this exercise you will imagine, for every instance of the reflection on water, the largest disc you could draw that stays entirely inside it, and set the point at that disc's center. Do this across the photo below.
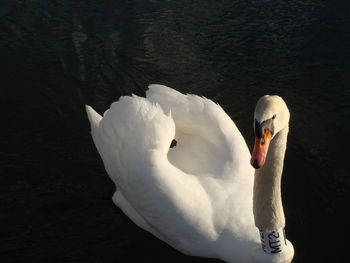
(59, 55)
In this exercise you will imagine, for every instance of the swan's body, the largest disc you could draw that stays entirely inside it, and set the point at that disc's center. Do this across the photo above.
(196, 196)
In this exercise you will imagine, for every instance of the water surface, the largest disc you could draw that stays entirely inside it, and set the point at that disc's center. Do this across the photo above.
(57, 56)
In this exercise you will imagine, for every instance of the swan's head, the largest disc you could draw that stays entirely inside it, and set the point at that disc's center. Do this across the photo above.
(270, 117)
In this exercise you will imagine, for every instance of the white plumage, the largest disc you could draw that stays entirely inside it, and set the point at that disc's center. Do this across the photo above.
(196, 196)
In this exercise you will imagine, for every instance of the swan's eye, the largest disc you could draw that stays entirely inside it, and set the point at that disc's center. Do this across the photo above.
(274, 117)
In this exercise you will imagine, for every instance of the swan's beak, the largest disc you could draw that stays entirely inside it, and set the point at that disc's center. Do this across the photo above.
(260, 149)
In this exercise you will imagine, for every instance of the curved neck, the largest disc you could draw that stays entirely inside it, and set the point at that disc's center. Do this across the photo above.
(267, 200)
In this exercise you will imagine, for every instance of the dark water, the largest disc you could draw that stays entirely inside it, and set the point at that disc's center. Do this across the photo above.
(57, 56)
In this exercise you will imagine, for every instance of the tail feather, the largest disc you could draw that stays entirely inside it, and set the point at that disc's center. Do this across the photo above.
(93, 117)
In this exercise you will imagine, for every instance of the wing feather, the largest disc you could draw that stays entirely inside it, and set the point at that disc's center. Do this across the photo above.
(133, 139)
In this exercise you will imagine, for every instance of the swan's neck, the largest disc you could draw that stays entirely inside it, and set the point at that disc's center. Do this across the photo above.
(267, 200)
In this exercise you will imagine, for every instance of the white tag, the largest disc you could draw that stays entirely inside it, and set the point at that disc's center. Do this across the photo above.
(273, 242)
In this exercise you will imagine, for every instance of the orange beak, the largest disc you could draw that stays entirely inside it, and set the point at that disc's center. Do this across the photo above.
(261, 147)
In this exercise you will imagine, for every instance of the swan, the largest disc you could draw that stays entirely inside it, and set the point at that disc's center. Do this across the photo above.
(183, 172)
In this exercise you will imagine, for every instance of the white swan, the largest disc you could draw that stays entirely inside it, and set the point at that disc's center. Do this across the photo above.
(197, 196)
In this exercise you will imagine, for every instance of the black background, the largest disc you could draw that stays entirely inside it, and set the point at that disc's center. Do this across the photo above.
(57, 56)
